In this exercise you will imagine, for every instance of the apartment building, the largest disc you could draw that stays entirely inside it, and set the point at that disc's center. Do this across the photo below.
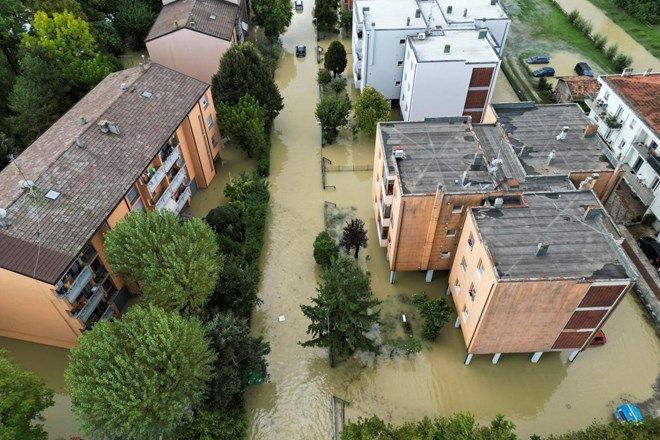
(143, 138)
(447, 74)
(190, 36)
(381, 29)
(628, 118)
(428, 174)
(537, 278)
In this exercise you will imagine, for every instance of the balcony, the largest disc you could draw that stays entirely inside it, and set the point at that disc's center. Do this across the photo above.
(108, 313)
(155, 179)
(171, 159)
(612, 122)
(177, 180)
(81, 280)
(91, 304)
(638, 187)
(183, 198)
(164, 199)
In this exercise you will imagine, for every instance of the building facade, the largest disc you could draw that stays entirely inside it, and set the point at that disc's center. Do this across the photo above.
(628, 118)
(540, 277)
(143, 138)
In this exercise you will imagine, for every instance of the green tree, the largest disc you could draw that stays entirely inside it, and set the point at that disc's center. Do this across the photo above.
(346, 18)
(38, 98)
(137, 377)
(176, 263)
(342, 312)
(22, 398)
(107, 37)
(354, 236)
(5, 150)
(133, 21)
(335, 59)
(273, 15)
(325, 12)
(244, 123)
(13, 15)
(211, 423)
(371, 107)
(226, 221)
(332, 112)
(50, 6)
(323, 77)
(435, 313)
(236, 289)
(242, 71)
(325, 249)
(239, 356)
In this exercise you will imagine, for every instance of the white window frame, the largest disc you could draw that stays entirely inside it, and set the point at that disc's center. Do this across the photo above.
(451, 232)
(209, 122)
(457, 287)
(445, 255)
(481, 269)
(464, 265)
(472, 292)
(205, 102)
(465, 314)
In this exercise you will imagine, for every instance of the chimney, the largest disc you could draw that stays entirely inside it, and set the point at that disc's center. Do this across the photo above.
(590, 130)
(551, 157)
(477, 160)
(562, 135)
(123, 86)
(465, 12)
(447, 48)
(524, 151)
(627, 71)
(499, 202)
(493, 2)
(450, 9)
(542, 249)
(647, 71)
(408, 21)
(465, 179)
(80, 143)
(418, 13)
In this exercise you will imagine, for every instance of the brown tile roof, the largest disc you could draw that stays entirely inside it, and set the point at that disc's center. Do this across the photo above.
(92, 180)
(581, 86)
(196, 15)
(642, 94)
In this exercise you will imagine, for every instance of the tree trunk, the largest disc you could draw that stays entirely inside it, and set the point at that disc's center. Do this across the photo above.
(10, 60)
(357, 251)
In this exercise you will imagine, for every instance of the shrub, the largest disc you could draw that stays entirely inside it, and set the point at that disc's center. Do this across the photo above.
(543, 84)
(621, 61)
(324, 77)
(611, 51)
(225, 221)
(325, 249)
(338, 85)
(573, 15)
(435, 313)
(648, 219)
(599, 41)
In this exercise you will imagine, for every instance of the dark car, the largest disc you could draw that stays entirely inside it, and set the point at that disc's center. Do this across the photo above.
(651, 249)
(301, 51)
(538, 59)
(543, 71)
(298, 5)
(583, 69)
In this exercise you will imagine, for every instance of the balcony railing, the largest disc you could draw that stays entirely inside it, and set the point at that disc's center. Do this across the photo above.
(162, 202)
(183, 198)
(171, 159)
(155, 180)
(79, 283)
(91, 304)
(178, 180)
(108, 313)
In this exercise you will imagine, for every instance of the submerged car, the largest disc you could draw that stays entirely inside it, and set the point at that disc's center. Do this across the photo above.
(543, 72)
(538, 59)
(301, 51)
(651, 249)
(583, 69)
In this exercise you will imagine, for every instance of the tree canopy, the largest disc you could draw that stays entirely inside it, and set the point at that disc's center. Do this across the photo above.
(273, 15)
(335, 58)
(242, 71)
(175, 262)
(343, 312)
(325, 249)
(226, 221)
(244, 123)
(333, 112)
(353, 236)
(22, 398)
(325, 12)
(435, 312)
(13, 15)
(133, 20)
(371, 107)
(212, 423)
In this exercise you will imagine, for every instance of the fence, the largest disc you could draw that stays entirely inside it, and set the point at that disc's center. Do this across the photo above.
(368, 167)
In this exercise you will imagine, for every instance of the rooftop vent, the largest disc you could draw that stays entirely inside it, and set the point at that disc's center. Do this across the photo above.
(493, 2)
(447, 48)
(465, 12)
(212, 17)
(421, 36)
(25, 184)
(53, 195)
(108, 127)
(147, 95)
(551, 157)
(647, 71)
(482, 34)
(398, 152)
(542, 249)
(561, 136)
(627, 71)
(418, 13)
(408, 21)
(465, 179)
(524, 151)
(80, 142)
(450, 9)
(124, 86)
(499, 202)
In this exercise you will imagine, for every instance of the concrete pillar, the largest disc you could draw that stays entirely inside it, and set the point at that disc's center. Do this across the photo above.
(468, 359)
(536, 357)
(429, 275)
(496, 357)
(392, 277)
(457, 324)
(573, 355)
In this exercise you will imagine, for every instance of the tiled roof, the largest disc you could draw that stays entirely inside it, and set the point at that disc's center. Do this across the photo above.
(94, 179)
(581, 86)
(196, 15)
(641, 93)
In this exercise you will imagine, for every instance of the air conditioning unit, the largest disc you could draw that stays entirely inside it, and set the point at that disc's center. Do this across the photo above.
(399, 154)
(421, 36)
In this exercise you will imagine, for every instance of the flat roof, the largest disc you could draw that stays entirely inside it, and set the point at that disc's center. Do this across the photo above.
(437, 151)
(211, 17)
(537, 128)
(579, 246)
(464, 45)
(389, 14)
(641, 93)
(476, 9)
(45, 235)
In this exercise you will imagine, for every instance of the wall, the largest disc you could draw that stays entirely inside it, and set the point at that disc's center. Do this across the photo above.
(29, 310)
(173, 51)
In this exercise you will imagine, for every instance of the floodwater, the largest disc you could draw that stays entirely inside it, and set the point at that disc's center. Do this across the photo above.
(551, 396)
(642, 58)
(503, 90)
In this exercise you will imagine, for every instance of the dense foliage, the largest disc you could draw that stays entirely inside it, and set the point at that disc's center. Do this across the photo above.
(335, 58)
(435, 313)
(175, 262)
(210, 423)
(273, 15)
(371, 107)
(244, 123)
(138, 377)
(22, 398)
(342, 312)
(354, 236)
(324, 77)
(333, 112)
(647, 11)
(325, 12)
(325, 249)
(225, 221)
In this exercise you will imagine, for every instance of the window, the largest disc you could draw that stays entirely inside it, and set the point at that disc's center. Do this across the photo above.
(133, 195)
(402, 41)
(451, 232)
(481, 269)
(622, 144)
(138, 207)
(465, 313)
(387, 211)
(209, 122)
(445, 255)
(399, 63)
(397, 84)
(456, 209)
(655, 182)
(457, 286)
(607, 96)
(463, 265)
(390, 187)
(471, 242)
(472, 292)
(385, 232)
(214, 141)
(205, 102)
(633, 121)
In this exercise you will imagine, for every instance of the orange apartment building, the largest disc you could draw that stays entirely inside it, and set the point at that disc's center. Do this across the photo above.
(540, 277)
(144, 138)
(428, 174)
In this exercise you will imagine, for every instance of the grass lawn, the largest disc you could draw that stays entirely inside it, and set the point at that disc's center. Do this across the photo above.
(550, 24)
(647, 36)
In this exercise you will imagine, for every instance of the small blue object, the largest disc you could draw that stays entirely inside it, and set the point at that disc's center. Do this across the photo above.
(628, 413)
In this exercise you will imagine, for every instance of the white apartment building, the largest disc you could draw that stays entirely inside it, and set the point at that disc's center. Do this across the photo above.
(381, 29)
(628, 118)
(448, 74)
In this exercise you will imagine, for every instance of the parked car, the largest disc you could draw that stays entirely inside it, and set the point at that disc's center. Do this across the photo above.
(651, 249)
(543, 71)
(628, 413)
(298, 5)
(538, 59)
(301, 51)
(583, 69)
